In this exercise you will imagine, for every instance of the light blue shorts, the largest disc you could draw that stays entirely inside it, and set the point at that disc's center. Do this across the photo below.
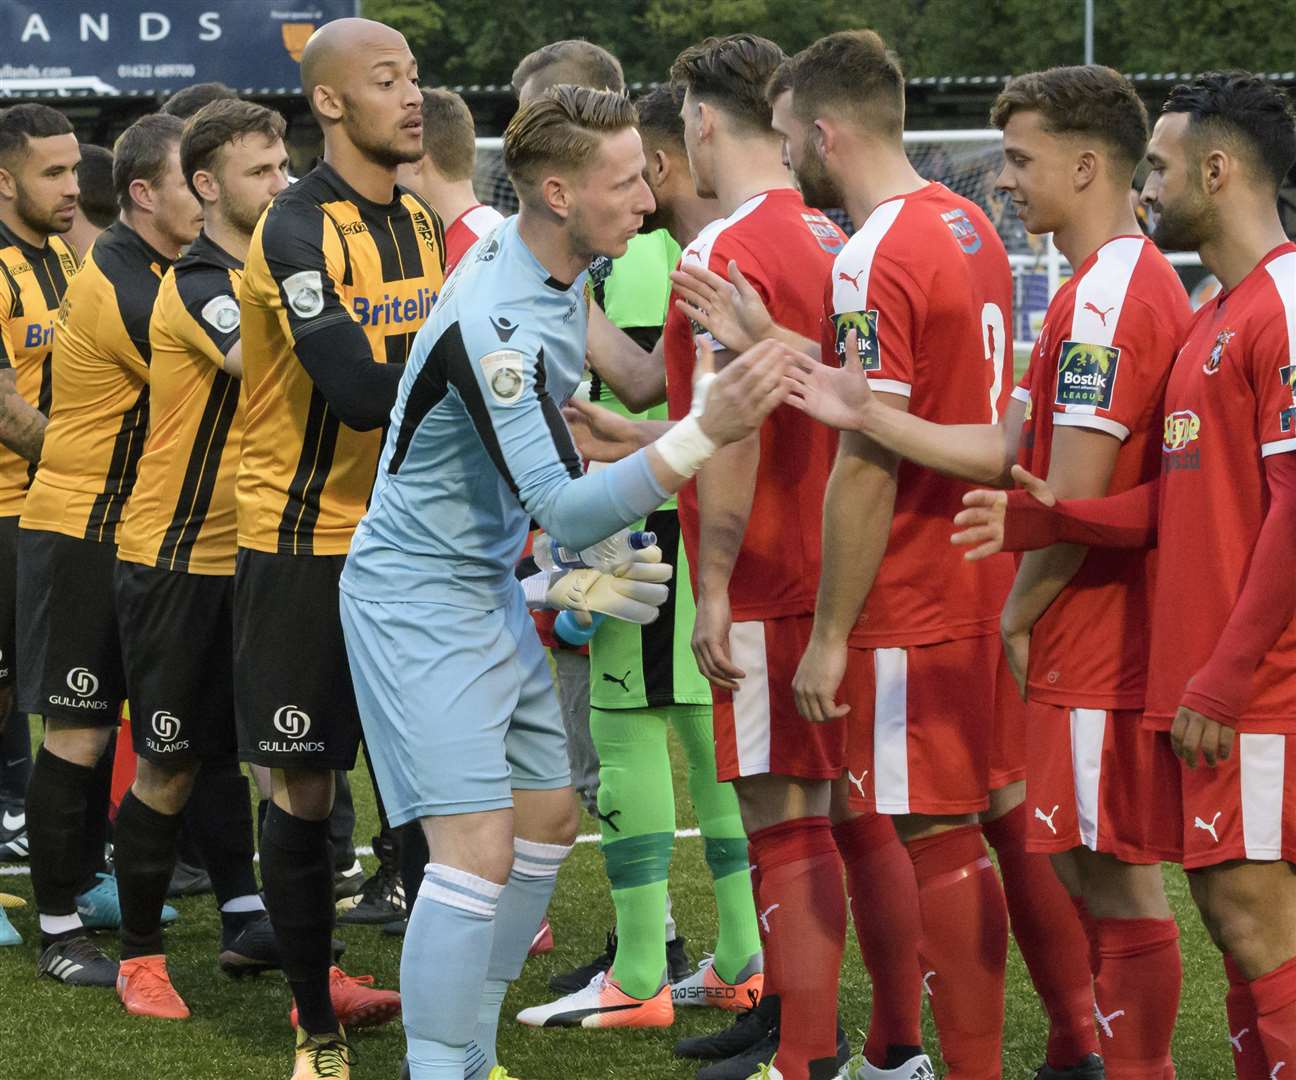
(458, 706)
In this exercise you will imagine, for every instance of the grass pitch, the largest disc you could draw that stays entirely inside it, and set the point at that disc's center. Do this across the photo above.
(240, 1029)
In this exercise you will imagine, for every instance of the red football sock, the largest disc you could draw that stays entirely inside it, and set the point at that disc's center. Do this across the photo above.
(1249, 1061)
(1090, 925)
(1137, 996)
(1051, 939)
(803, 908)
(963, 949)
(1275, 1005)
(768, 989)
(884, 904)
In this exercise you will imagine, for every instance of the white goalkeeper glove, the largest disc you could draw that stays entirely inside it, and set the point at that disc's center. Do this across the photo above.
(635, 593)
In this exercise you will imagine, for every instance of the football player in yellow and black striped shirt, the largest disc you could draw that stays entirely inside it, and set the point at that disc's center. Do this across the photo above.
(38, 196)
(174, 581)
(342, 271)
(71, 667)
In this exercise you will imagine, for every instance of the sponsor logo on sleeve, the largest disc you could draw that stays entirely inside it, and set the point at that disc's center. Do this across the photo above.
(305, 293)
(600, 270)
(865, 325)
(1086, 374)
(503, 370)
(222, 312)
(964, 231)
(1287, 416)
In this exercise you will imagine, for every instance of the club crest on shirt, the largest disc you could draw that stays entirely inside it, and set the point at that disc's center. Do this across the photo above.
(826, 234)
(1216, 357)
(1086, 374)
(865, 325)
(503, 370)
(222, 312)
(305, 293)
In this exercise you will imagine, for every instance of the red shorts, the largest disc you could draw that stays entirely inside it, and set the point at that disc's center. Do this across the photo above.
(1008, 754)
(921, 726)
(1244, 808)
(1101, 780)
(758, 730)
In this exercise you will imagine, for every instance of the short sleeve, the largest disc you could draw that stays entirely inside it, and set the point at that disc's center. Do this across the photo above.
(208, 297)
(7, 352)
(1271, 358)
(881, 302)
(306, 258)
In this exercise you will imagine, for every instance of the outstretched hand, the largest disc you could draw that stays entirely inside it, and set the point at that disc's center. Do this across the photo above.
(731, 405)
(837, 396)
(730, 310)
(982, 522)
(599, 433)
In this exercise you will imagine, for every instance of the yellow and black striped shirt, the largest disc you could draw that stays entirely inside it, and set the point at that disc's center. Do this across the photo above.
(32, 283)
(181, 515)
(99, 402)
(321, 255)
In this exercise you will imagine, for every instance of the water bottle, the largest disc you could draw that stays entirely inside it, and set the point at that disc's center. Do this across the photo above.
(568, 629)
(607, 555)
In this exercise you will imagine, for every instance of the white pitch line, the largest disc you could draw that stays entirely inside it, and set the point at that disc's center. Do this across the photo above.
(23, 870)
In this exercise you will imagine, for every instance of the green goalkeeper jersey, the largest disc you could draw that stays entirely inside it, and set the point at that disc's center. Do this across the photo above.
(638, 667)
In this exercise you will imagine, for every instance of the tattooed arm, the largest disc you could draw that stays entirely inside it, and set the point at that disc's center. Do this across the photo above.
(22, 426)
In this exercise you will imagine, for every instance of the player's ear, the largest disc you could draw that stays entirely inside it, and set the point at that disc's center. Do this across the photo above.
(1216, 169)
(1084, 170)
(141, 193)
(557, 196)
(208, 188)
(328, 103)
(8, 184)
(706, 121)
(825, 138)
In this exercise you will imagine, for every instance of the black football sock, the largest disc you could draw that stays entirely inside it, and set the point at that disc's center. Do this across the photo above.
(262, 806)
(15, 757)
(342, 821)
(413, 860)
(144, 857)
(56, 803)
(219, 817)
(297, 872)
(94, 838)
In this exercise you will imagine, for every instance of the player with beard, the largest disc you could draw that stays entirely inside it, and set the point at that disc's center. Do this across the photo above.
(38, 193)
(342, 270)
(175, 569)
(1223, 643)
(67, 631)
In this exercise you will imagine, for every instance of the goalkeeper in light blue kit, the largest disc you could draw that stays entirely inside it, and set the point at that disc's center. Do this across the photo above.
(453, 687)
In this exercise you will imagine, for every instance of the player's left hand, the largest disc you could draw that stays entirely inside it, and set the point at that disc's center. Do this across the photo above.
(982, 523)
(599, 433)
(1192, 732)
(634, 598)
(839, 397)
(711, 642)
(817, 680)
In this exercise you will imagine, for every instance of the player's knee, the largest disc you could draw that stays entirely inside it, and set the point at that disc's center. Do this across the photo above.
(163, 788)
(76, 743)
(303, 793)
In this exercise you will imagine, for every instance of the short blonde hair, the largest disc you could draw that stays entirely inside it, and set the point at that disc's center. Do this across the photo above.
(562, 130)
(449, 135)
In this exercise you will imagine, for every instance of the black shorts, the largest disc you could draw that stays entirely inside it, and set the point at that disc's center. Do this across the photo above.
(8, 598)
(177, 635)
(292, 687)
(67, 629)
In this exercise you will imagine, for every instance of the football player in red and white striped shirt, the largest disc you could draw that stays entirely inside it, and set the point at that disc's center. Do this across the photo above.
(1222, 663)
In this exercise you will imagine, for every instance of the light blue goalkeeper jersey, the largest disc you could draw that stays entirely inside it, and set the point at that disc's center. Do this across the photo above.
(477, 446)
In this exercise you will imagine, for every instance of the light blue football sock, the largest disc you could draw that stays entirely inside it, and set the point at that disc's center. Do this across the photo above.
(522, 906)
(451, 928)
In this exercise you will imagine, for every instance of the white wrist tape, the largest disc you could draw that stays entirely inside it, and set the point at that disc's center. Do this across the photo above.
(686, 447)
(701, 389)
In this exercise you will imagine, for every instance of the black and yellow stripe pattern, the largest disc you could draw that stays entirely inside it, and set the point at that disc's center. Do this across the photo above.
(182, 514)
(98, 390)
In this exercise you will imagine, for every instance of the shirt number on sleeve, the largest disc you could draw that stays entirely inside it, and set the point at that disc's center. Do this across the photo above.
(994, 339)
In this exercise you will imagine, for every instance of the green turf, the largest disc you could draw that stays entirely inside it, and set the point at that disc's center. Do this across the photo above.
(48, 1032)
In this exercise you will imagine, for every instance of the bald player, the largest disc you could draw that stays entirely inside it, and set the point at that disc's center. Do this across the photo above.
(342, 270)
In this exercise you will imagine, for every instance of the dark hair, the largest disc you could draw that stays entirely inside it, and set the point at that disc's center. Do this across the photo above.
(852, 70)
(1086, 99)
(659, 114)
(186, 101)
(142, 152)
(575, 61)
(95, 178)
(1242, 107)
(216, 125)
(731, 73)
(561, 130)
(20, 123)
(449, 136)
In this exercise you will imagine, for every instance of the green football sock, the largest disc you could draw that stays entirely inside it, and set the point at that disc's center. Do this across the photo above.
(716, 806)
(636, 809)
